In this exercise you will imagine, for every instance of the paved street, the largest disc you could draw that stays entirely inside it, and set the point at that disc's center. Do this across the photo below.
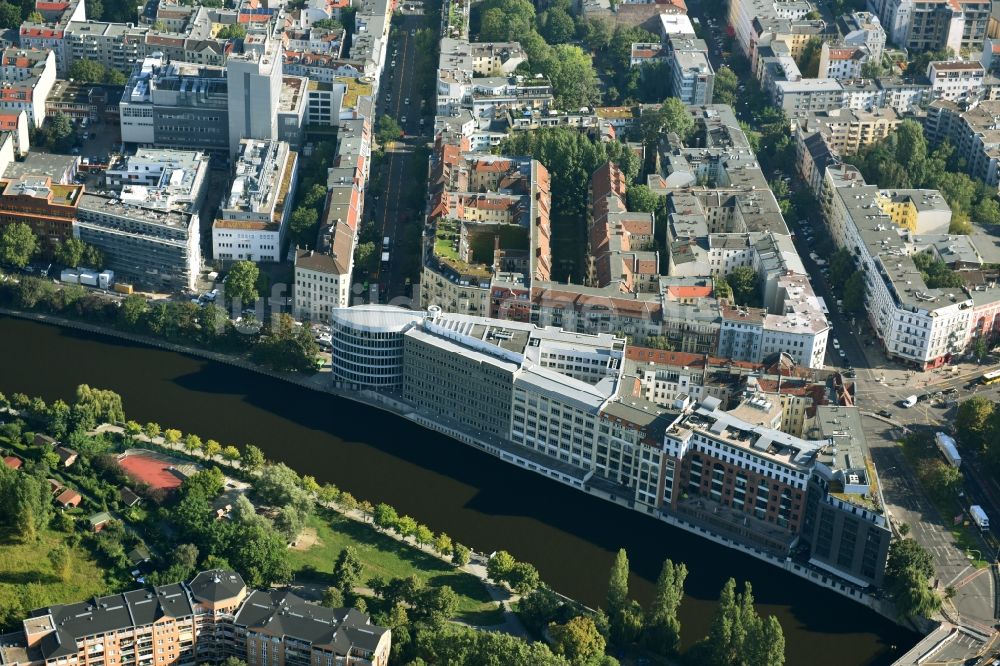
(906, 504)
(389, 201)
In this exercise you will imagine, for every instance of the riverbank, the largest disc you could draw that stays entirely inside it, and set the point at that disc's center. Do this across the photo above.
(505, 451)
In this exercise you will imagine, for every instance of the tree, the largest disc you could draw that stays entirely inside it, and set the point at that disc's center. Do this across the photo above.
(347, 570)
(640, 198)
(436, 605)
(60, 132)
(192, 442)
(443, 544)
(172, 436)
(232, 31)
(724, 90)
(366, 257)
(809, 59)
(280, 485)
(854, 293)
(523, 577)
(260, 554)
(766, 643)
(241, 283)
(423, 535)
(673, 116)
(231, 453)
(618, 582)
(663, 628)
(253, 458)
(406, 526)
(88, 71)
(574, 81)
(578, 640)
(387, 130)
(500, 566)
(114, 77)
(61, 560)
(971, 421)
(17, 245)
(960, 224)
(233, 661)
(557, 26)
(186, 556)
(332, 598)
(302, 221)
(10, 16)
(289, 522)
(328, 24)
(908, 571)
(943, 481)
(460, 555)
(384, 516)
(743, 281)
(212, 448)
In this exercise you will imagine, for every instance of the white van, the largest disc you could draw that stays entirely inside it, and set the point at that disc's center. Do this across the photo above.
(909, 402)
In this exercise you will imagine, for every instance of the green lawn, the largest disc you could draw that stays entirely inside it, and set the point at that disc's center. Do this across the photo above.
(386, 557)
(26, 577)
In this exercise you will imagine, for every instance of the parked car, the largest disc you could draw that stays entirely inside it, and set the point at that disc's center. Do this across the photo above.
(884, 413)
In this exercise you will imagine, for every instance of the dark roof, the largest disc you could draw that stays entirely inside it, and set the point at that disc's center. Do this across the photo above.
(283, 613)
(216, 585)
(103, 614)
(138, 555)
(128, 497)
(276, 613)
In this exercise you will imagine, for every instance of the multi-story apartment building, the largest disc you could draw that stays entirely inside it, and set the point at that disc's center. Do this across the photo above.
(956, 79)
(934, 25)
(49, 33)
(839, 61)
(842, 131)
(476, 197)
(27, 79)
(801, 95)
(863, 29)
(496, 58)
(692, 78)
(974, 130)
(151, 246)
(253, 217)
(117, 46)
(916, 324)
(918, 211)
(161, 178)
(42, 203)
(212, 617)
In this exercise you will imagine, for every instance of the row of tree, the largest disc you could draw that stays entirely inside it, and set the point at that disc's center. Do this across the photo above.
(303, 224)
(91, 71)
(19, 245)
(738, 636)
(283, 345)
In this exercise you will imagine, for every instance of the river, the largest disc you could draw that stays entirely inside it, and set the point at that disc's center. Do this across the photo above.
(478, 500)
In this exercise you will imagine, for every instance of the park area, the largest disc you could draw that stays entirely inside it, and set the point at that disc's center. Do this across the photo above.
(156, 470)
(327, 533)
